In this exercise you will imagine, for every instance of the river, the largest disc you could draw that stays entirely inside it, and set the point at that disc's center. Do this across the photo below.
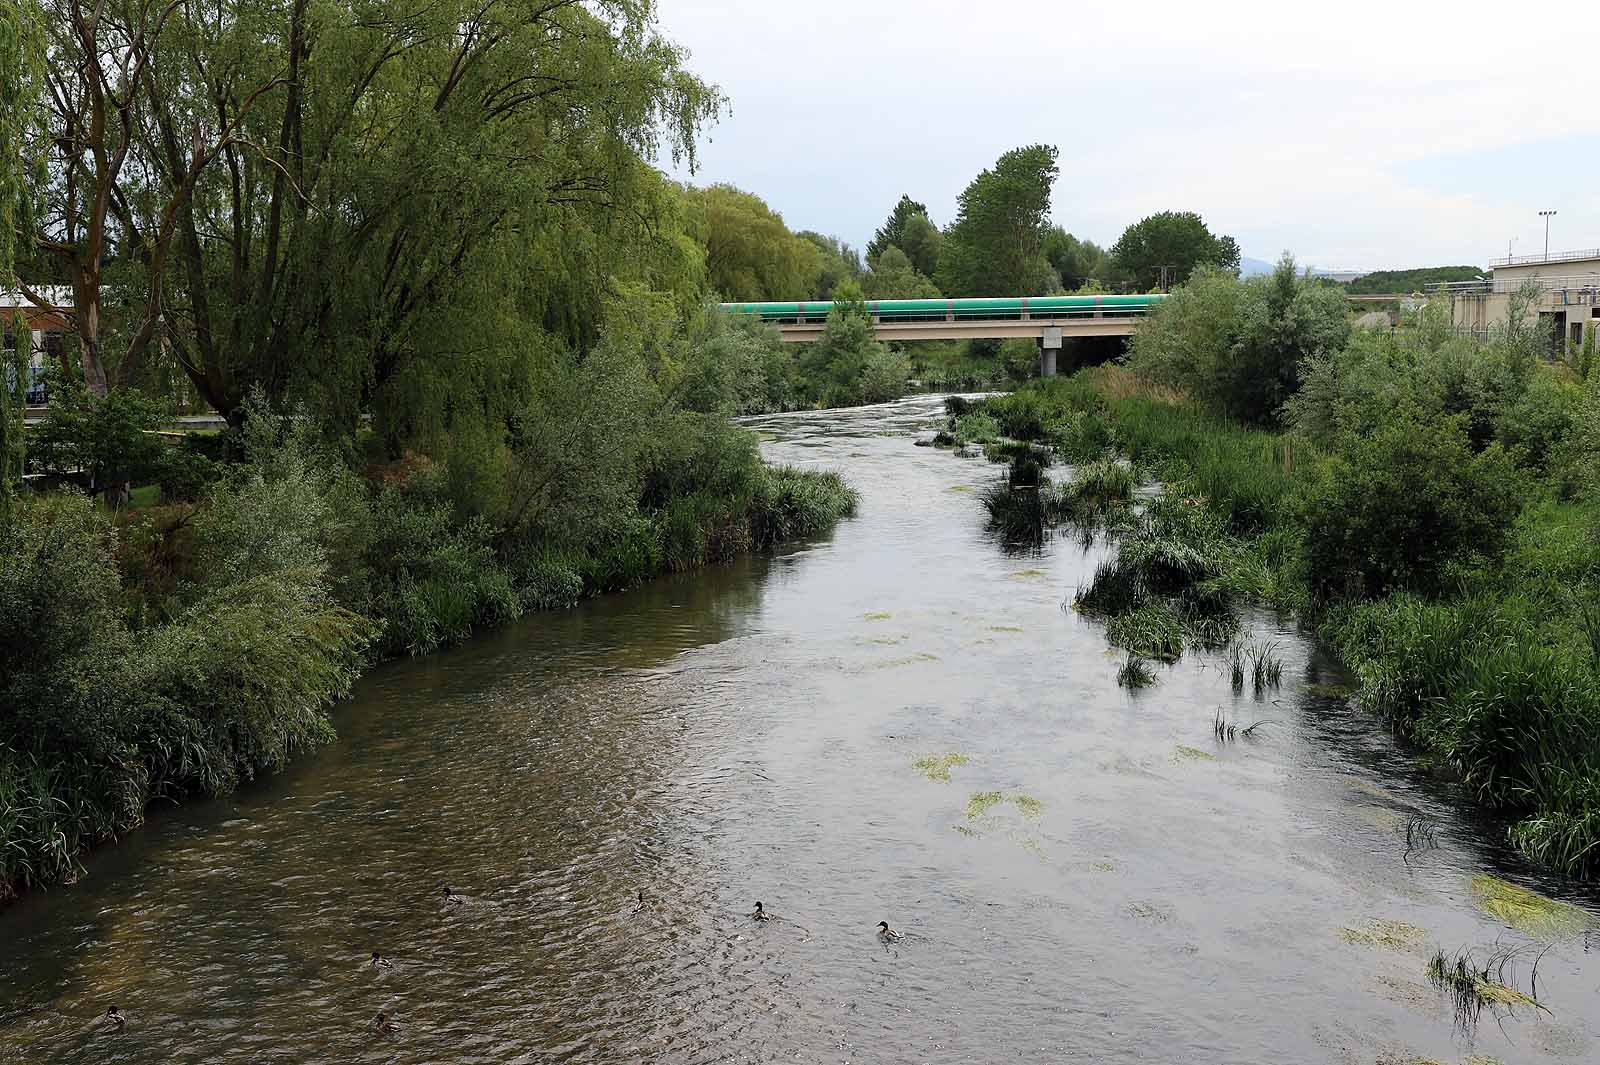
(899, 723)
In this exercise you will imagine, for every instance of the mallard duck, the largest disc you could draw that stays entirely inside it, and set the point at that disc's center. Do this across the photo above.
(383, 1025)
(887, 934)
(114, 1017)
(760, 914)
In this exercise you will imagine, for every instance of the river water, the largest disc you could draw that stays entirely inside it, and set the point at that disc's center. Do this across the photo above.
(898, 723)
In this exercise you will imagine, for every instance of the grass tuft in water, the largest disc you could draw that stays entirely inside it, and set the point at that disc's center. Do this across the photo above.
(1227, 731)
(1135, 673)
(1474, 986)
(1017, 514)
(1150, 631)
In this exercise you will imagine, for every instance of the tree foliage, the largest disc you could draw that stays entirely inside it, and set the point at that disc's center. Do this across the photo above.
(894, 277)
(893, 230)
(1076, 262)
(836, 262)
(1385, 281)
(1171, 244)
(847, 365)
(750, 254)
(353, 205)
(995, 247)
(21, 74)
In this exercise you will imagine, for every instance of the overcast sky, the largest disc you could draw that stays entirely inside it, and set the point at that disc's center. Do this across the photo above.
(1356, 135)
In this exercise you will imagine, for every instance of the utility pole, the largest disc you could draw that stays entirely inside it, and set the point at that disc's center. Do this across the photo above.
(1546, 216)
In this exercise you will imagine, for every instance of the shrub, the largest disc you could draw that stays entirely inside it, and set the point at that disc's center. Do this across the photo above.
(1238, 345)
(103, 719)
(1395, 506)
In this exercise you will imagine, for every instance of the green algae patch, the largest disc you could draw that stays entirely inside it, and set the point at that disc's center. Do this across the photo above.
(981, 802)
(905, 660)
(1007, 628)
(1330, 691)
(938, 766)
(965, 831)
(1528, 911)
(1103, 867)
(960, 488)
(1390, 935)
(1185, 753)
(1027, 806)
(878, 615)
(1027, 574)
(884, 641)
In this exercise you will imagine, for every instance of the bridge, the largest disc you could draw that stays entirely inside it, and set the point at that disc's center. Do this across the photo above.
(1048, 319)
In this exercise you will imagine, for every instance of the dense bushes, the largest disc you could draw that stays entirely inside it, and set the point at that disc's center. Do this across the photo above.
(102, 718)
(1394, 508)
(205, 644)
(1238, 346)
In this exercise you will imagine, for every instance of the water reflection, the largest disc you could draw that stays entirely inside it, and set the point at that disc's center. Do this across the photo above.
(901, 723)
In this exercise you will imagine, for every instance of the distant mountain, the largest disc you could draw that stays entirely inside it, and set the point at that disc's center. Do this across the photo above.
(1249, 267)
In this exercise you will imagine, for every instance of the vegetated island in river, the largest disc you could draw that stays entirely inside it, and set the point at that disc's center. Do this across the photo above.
(1431, 502)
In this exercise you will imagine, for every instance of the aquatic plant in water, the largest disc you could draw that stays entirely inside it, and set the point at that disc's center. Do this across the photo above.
(1474, 986)
(1226, 731)
(938, 766)
(1135, 673)
(1151, 631)
(1528, 911)
(1389, 934)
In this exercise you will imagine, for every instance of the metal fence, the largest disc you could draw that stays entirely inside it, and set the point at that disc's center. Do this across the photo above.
(1548, 257)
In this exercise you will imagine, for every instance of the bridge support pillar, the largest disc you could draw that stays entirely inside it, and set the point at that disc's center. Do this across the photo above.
(1049, 349)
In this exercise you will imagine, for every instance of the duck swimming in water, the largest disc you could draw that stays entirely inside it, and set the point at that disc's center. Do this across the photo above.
(640, 904)
(451, 898)
(887, 934)
(380, 962)
(760, 914)
(383, 1025)
(114, 1017)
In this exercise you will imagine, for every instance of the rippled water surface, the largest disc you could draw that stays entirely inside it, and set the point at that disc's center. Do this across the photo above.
(900, 723)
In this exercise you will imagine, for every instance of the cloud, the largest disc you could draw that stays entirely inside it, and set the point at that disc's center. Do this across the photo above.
(1354, 137)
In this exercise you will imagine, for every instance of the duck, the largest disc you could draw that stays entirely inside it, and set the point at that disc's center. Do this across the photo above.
(640, 904)
(760, 914)
(114, 1017)
(380, 962)
(887, 934)
(384, 1025)
(451, 898)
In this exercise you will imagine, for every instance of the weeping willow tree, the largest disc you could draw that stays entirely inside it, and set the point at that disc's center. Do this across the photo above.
(417, 202)
(21, 57)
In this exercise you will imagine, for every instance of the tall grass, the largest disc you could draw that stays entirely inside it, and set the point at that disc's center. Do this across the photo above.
(1487, 691)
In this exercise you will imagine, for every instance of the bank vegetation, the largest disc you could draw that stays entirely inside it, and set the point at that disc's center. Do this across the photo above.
(1430, 502)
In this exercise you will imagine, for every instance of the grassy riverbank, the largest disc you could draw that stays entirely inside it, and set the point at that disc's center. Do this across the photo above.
(179, 650)
(1432, 507)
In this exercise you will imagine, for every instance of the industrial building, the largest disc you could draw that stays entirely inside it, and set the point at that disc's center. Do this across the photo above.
(1566, 288)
